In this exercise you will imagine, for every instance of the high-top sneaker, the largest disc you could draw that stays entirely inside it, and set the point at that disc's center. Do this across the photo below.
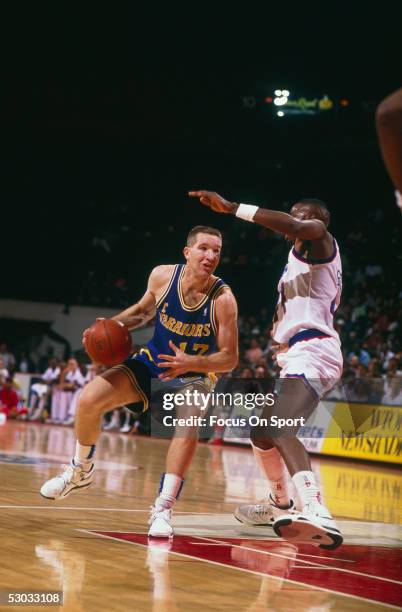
(263, 513)
(72, 478)
(314, 524)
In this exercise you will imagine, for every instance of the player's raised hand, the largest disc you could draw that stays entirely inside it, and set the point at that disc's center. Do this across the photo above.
(85, 334)
(213, 200)
(177, 364)
(277, 348)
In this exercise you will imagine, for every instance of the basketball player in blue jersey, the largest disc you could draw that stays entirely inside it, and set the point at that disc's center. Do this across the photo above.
(195, 334)
(310, 359)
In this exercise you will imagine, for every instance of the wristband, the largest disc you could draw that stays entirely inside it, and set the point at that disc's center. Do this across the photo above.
(398, 197)
(246, 212)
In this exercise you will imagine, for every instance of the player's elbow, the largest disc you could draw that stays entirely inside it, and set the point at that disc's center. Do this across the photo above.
(233, 360)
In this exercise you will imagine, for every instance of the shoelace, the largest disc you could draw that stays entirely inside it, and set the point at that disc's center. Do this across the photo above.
(67, 473)
(154, 512)
(267, 507)
(260, 509)
(317, 510)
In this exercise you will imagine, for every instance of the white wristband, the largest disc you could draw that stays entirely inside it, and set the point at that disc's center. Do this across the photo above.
(246, 212)
(398, 196)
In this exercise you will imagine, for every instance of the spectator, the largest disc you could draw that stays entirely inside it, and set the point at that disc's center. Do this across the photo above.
(392, 391)
(42, 390)
(246, 372)
(261, 371)
(393, 368)
(25, 363)
(9, 400)
(373, 370)
(82, 376)
(362, 355)
(7, 357)
(63, 393)
(43, 362)
(254, 352)
(4, 373)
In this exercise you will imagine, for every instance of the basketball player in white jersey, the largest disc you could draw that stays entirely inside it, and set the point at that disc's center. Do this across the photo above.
(310, 359)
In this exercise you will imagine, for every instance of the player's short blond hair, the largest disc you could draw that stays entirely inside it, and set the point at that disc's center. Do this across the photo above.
(201, 229)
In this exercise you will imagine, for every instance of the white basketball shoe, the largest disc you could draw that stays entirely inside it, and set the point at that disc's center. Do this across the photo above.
(72, 478)
(262, 514)
(314, 524)
(160, 522)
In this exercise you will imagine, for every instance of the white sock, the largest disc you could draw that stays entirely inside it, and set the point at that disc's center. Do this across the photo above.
(306, 487)
(84, 454)
(169, 490)
(274, 468)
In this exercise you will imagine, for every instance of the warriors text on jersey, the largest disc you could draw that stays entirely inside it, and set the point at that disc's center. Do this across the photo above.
(191, 328)
(309, 293)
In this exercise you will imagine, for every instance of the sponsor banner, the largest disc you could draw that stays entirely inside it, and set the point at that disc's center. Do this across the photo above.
(369, 494)
(358, 431)
(313, 445)
(365, 431)
(339, 425)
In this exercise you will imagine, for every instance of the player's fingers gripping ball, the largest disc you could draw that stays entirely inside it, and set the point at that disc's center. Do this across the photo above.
(108, 342)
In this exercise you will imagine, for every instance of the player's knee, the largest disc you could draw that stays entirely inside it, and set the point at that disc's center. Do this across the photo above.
(261, 438)
(91, 401)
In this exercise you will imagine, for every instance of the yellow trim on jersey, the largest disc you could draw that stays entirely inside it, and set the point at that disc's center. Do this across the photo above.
(126, 370)
(168, 287)
(212, 377)
(148, 353)
(201, 303)
(212, 309)
(212, 317)
(218, 291)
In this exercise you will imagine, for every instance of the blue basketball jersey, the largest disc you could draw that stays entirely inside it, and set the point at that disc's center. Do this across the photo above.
(191, 328)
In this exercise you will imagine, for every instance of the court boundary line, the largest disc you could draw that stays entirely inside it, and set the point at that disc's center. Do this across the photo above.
(177, 512)
(310, 563)
(57, 507)
(289, 580)
(274, 540)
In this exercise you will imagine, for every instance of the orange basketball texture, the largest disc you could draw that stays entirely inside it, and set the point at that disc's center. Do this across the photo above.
(108, 342)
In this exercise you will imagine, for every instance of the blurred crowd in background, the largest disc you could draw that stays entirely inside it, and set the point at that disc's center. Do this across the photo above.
(368, 319)
(368, 322)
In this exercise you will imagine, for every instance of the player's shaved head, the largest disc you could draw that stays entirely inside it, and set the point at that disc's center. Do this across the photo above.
(201, 229)
(318, 208)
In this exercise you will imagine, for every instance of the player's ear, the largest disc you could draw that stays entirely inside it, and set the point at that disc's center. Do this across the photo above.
(186, 252)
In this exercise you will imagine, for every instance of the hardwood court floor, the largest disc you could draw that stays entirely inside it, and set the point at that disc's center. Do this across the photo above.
(93, 545)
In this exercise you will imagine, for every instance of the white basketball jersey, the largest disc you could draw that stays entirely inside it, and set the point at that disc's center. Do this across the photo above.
(309, 294)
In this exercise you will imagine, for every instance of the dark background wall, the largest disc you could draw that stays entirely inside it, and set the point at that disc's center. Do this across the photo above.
(108, 119)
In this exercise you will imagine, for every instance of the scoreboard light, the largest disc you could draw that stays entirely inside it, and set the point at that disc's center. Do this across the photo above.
(281, 98)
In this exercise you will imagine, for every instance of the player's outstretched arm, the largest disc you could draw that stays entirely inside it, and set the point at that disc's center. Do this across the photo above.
(223, 360)
(145, 308)
(389, 130)
(308, 229)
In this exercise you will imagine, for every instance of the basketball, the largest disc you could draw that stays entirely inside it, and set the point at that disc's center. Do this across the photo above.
(108, 342)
